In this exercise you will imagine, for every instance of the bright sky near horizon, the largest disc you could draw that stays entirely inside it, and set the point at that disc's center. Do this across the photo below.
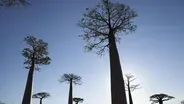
(154, 53)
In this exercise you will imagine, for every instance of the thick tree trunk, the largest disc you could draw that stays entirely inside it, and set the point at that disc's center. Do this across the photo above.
(118, 95)
(70, 99)
(28, 90)
(41, 100)
(160, 102)
(130, 95)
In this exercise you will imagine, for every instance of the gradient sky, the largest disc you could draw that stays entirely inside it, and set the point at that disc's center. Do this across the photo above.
(154, 53)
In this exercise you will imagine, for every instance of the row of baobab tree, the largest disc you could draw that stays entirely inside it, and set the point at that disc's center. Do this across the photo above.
(102, 26)
(43, 95)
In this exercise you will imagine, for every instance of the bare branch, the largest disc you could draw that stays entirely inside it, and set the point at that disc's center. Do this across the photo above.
(130, 78)
(105, 19)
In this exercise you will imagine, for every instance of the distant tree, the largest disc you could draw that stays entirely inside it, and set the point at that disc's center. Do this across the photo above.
(70, 78)
(78, 100)
(102, 26)
(182, 102)
(35, 55)
(41, 96)
(160, 98)
(8, 3)
(130, 87)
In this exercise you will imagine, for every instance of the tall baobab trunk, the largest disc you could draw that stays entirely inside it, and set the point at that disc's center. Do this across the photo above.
(130, 95)
(160, 101)
(70, 99)
(28, 90)
(118, 95)
(41, 100)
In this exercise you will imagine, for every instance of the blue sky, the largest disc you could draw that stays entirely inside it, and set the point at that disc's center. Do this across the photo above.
(154, 53)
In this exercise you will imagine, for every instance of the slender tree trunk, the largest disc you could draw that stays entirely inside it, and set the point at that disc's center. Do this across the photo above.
(130, 95)
(28, 90)
(118, 95)
(41, 100)
(70, 99)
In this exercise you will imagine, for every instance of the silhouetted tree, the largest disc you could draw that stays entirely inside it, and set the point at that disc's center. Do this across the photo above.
(70, 78)
(8, 3)
(78, 100)
(130, 87)
(36, 54)
(159, 98)
(102, 27)
(41, 96)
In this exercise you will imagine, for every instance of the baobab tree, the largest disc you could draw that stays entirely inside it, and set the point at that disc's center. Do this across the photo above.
(36, 54)
(103, 25)
(41, 96)
(130, 87)
(70, 78)
(160, 98)
(78, 100)
(8, 3)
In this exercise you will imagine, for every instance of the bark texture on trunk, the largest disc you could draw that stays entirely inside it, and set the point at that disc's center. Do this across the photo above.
(118, 95)
(41, 100)
(70, 99)
(130, 95)
(29, 84)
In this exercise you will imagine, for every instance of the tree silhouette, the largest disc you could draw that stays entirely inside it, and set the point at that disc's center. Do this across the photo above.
(130, 87)
(9, 3)
(41, 96)
(78, 100)
(35, 55)
(159, 98)
(102, 27)
(70, 78)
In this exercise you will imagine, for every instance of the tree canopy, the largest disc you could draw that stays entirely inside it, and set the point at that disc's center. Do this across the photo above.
(70, 77)
(78, 100)
(37, 50)
(162, 97)
(9, 3)
(106, 18)
(41, 95)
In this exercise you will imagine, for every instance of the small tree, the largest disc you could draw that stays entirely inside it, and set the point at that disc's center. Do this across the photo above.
(159, 98)
(78, 100)
(41, 96)
(102, 26)
(36, 54)
(70, 78)
(130, 87)
(8, 3)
